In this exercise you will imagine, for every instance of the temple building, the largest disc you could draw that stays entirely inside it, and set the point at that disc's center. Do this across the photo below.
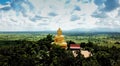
(59, 39)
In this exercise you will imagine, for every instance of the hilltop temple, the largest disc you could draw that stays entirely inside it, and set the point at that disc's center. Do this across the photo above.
(59, 39)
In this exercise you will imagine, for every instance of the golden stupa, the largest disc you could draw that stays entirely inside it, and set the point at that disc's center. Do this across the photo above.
(59, 39)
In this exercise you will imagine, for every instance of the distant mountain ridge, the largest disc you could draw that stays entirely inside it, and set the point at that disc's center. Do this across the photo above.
(96, 30)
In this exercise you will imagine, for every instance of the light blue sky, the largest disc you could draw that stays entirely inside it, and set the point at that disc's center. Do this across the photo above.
(37, 15)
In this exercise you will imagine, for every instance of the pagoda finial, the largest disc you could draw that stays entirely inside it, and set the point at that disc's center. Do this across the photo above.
(59, 31)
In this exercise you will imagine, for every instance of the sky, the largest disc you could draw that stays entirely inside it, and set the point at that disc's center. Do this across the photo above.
(42, 15)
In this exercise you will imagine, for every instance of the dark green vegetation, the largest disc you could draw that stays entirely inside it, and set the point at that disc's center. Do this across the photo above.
(40, 52)
(101, 39)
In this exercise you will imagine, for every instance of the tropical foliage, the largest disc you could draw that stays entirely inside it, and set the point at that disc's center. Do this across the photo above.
(43, 53)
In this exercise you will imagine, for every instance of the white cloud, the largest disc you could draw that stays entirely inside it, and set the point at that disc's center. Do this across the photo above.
(113, 14)
(1, 6)
(10, 20)
(112, 20)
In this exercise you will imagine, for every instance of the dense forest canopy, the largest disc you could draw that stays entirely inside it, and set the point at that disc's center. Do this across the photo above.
(42, 53)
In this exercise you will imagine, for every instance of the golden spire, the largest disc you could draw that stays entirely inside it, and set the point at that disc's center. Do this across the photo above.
(59, 32)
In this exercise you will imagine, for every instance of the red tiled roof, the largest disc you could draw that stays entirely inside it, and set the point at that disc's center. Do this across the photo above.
(74, 46)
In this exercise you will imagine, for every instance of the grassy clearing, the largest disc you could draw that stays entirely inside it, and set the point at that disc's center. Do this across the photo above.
(101, 40)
